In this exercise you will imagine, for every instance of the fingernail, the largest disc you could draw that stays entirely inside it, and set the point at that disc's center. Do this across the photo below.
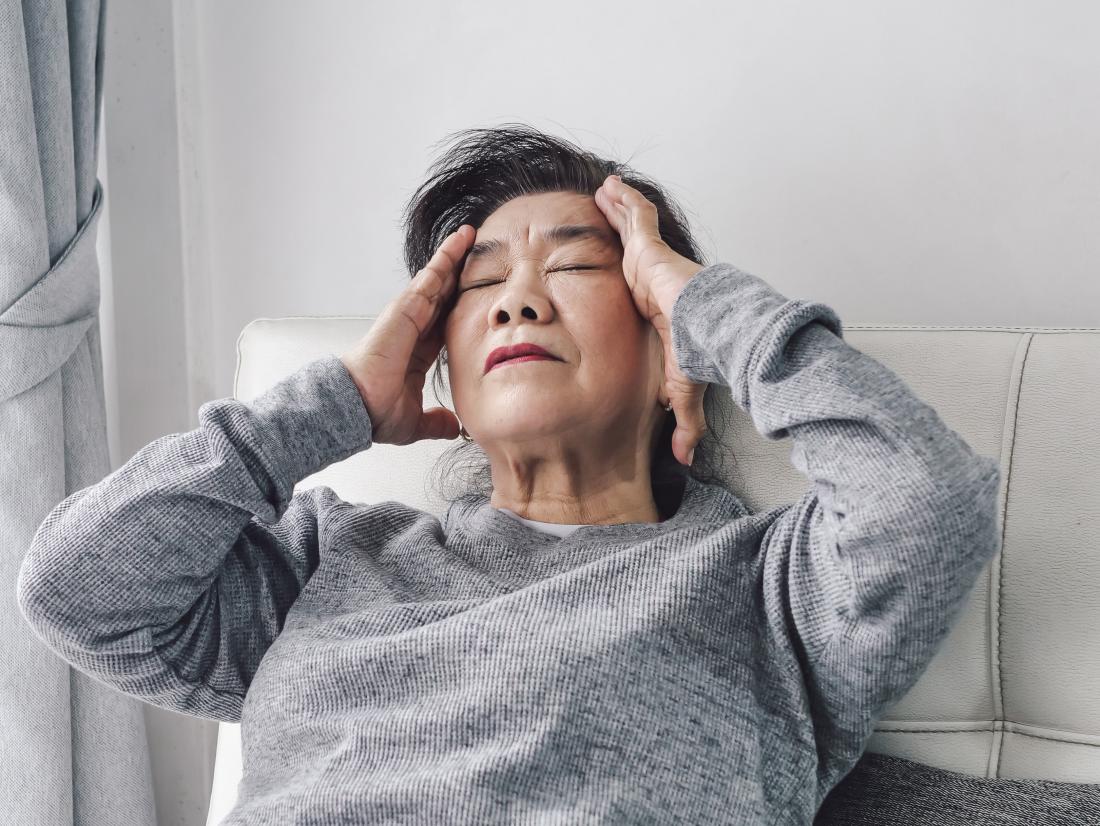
(691, 456)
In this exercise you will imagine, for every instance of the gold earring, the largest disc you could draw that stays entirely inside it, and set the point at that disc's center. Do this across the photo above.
(462, 432)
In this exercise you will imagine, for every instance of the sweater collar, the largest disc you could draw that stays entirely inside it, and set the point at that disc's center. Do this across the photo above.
(473, 522)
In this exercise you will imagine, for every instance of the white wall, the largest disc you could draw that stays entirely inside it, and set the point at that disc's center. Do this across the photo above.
(930, 162)
(924, 162)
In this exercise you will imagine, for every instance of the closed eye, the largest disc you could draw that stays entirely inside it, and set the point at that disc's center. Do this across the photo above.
(577, 267)
(556, 269)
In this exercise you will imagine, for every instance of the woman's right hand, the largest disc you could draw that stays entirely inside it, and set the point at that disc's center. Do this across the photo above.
(390, 362)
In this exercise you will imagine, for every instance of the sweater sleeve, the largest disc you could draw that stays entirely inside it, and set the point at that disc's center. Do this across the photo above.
(866, 573)
(170, 578)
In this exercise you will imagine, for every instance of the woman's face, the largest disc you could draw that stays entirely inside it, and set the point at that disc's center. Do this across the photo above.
(568, 296)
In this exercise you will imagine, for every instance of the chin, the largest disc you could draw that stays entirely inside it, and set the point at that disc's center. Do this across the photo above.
(528, 426)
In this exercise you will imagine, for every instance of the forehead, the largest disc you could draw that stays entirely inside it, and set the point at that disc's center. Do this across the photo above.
(545, 220)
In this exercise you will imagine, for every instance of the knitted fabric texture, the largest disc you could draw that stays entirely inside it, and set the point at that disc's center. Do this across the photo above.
(386, 666)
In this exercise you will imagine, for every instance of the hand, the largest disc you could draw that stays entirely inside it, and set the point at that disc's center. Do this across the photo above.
(390, 362)
(656, 274)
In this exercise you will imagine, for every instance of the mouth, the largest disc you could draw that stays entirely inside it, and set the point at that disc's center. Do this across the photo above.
(517, 354)
(521, 359)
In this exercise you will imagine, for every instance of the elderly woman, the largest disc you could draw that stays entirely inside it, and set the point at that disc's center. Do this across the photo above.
(593, 632)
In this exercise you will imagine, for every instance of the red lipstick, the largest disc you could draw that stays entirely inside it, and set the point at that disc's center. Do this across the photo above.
(517, 352)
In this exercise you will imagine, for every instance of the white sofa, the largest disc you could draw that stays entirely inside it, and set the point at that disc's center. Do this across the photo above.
(1015, 690)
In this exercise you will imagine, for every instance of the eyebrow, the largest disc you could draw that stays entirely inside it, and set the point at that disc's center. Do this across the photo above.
(555, 235)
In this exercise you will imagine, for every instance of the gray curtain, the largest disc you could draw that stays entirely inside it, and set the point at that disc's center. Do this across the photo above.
(72, 750)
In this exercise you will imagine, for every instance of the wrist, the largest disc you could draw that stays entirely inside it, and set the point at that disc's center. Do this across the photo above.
(352, 374)
(668, 287)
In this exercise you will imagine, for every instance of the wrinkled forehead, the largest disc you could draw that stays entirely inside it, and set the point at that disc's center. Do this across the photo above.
(540, 237)
(541, 223)
(527, 218)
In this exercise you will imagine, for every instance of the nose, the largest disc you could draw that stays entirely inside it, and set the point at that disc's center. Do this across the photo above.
(523, 296)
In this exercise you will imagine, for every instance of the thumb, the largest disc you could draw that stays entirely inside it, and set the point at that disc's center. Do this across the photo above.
(691, 422)
(437, 423)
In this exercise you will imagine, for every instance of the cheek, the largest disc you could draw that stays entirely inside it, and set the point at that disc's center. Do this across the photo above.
(452, 328)
(614, 345)
(460, 340)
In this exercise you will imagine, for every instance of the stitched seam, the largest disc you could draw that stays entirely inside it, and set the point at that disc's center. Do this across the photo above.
(994, 727)
(950, 327)
(1001, 567)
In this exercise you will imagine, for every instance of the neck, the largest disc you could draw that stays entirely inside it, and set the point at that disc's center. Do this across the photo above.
(567, 500)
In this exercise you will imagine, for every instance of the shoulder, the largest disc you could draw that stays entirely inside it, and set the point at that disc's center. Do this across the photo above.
(384, 519)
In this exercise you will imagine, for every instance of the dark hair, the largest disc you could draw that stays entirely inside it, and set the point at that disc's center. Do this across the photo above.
(488, 167)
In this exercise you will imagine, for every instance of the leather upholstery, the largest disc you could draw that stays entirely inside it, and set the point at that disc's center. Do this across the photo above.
(1014, 692)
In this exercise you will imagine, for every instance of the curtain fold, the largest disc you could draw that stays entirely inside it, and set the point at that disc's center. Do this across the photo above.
(72, 750)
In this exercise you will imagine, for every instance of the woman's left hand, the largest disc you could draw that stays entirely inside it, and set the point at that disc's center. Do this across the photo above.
(656, 274)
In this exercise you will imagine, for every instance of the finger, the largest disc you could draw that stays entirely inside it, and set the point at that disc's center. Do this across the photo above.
(617, 190)
(434, 327)
(612, 210)
(453, 248)
(437, 423)
(627, 209)
(691, 423)
(631, 199)
(431, 286)
(438, 275)
(415, 307)
(616, 214)
(641, 213)
(426, 349)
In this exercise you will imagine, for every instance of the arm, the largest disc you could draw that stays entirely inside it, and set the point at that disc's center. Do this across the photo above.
(866, 573)
(171, 577)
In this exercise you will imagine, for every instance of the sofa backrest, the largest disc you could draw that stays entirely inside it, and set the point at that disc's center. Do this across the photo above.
(1014, 692)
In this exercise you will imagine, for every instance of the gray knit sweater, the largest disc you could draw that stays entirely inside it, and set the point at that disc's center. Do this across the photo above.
(720, 667)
